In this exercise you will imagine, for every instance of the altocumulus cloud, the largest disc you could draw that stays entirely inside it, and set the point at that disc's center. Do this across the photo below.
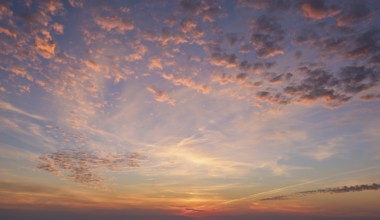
(83, 166)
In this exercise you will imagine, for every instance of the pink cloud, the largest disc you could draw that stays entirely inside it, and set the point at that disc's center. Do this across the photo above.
(45, 47)
(76, 3)
(58, 28)
(53, 6)
(161, 96)
(185, 81)
(92, 65)
(114, 23)
(8, 32)
(4, 11)
(318, 10)
(155, 63)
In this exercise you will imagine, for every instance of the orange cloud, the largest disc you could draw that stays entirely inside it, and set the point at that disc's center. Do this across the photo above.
(185, 81)
(317, 10)
(53, 6)
(155, 63)
(58, 28)
(160, 96)
(92, 65)
(4, 11)
(45, 47)
(140, 51)
(114, 23)
(7, 32)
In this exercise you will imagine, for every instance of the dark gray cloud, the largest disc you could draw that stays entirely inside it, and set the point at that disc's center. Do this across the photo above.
(232, 39)
(82, 166)
(281, 77)
(355, 79)
(272, 216)
(312, 83)
(190, 6)
(343, 189)
(356, 12)
(365, 44)
(256, 66)
(241, 77)
(268, 37)
(273, 98)
(209, 10)
(318, 84)
(324, 43)
(370, 97)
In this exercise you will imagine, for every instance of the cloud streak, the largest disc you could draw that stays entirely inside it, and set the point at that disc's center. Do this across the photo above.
(336, 190)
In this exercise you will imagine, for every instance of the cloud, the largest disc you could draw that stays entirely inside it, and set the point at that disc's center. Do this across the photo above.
(58, 28)
(241, 77)
(211, 11)
(160, 96)
(114, 23)
(356, 12)
(166, 36)
(318, 84)
(45, 47)
(355, 79)
(258, 67)
(232, 39)
(281, 78)
(222, 78)
(268, 37)
(5, 11)
(76, 3)
(272, 5)
(81, 166)
(336, 190)
(187, 25)
(140, 51)
(191, 6)
(9, 107)
(21, 187)
(92, 65)
(308, 85)
(8, 32)
(188, 82)
(370, 97)
(224, 59)
(53, 6)
(365, 44)
(272, 99)
(317, 9)
(155, 63)
(191, 210)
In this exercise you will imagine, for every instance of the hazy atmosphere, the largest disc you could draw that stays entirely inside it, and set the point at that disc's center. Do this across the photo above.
(190, 109)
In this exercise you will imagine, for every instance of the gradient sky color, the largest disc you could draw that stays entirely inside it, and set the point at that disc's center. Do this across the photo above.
(190, 109)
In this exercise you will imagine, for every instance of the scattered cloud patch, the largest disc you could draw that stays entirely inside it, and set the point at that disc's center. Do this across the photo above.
(343, 189)
(161, 96)
(83, 166)
(317, 9)
(111, 23)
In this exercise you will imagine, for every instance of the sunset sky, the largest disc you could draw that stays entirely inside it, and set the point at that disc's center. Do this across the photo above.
(191, 109)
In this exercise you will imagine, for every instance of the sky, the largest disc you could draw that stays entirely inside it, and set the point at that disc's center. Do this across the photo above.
(190, 109)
